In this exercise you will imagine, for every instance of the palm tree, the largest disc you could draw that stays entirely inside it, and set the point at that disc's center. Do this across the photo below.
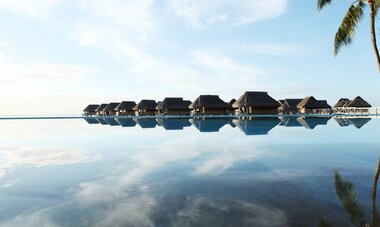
(347, 29)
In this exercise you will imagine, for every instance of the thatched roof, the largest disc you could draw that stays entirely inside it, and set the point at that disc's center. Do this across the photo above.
(173, 104)
(146, 104)
(359, 102)
(208, 101)
(256, 99)
(111, 106)
(311, 103)
(91, 108)
(101, 107)
(125, 105)
(230, 103)
(290, 103)
(342, 102)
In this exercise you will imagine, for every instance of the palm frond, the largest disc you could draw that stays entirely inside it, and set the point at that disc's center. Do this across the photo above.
(347, 29)
(348, 196)
(322, 3)
(376, 4)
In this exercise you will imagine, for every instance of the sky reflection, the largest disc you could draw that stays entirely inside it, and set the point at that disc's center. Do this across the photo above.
(85, 174)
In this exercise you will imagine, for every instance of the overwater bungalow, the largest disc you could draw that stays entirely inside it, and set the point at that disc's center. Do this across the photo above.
(289, 106)
(90, 110)
(145, 107)
(100, 109)
(208, 105)
(125, 108)
(257, 126)
(146, 122)
(209, 125)
(109, 110)
(358, 106)
(126, 122)
(173, 106)
(173, 124)
(312, 122)
(254, 102)
(309, 105)
(341, 104)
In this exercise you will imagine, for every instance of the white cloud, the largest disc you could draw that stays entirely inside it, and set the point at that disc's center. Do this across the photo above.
(17, 72)
(36, 9)
(12, 157)
(199, 14)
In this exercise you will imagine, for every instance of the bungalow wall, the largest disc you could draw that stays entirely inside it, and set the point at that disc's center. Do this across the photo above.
(173, 112)
(206, 111)
(89, 113)
(145, 112)
(315, 111)
(256, 110)
(110, 113)
(289, 111)
(125, 113)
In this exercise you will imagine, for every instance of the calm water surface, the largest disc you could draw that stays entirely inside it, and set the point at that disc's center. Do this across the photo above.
(180, 172)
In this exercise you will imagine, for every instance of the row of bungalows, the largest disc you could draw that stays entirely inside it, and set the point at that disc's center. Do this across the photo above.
(356, 106)
(251, 102)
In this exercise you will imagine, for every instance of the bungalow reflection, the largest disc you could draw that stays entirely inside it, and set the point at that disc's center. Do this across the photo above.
(146, 122)
(257, 126)
(249, 126)
(126, 122)
(312, 122)
(209, 125)
(173, 124)
(356, 122)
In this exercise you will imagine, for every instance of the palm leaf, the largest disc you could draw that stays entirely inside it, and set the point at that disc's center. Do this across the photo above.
(348, 196)
(347, 29)
(322, 3)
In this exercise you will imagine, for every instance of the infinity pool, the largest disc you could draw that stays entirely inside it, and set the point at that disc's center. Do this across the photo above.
(187, 172)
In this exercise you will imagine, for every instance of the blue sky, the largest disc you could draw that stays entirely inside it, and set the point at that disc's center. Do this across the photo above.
(56, 56)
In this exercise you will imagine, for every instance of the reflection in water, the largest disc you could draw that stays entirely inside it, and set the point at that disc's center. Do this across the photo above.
(111, 122)
(146, 122)
(356, 122)
(348, 196)
(126, 122)
(182, 178)
(312, 122)
(250, 126)
(173, 124)
(209, 125)
(257, 126)
(290, 122)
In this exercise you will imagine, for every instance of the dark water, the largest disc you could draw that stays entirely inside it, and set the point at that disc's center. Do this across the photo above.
(181, 172)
